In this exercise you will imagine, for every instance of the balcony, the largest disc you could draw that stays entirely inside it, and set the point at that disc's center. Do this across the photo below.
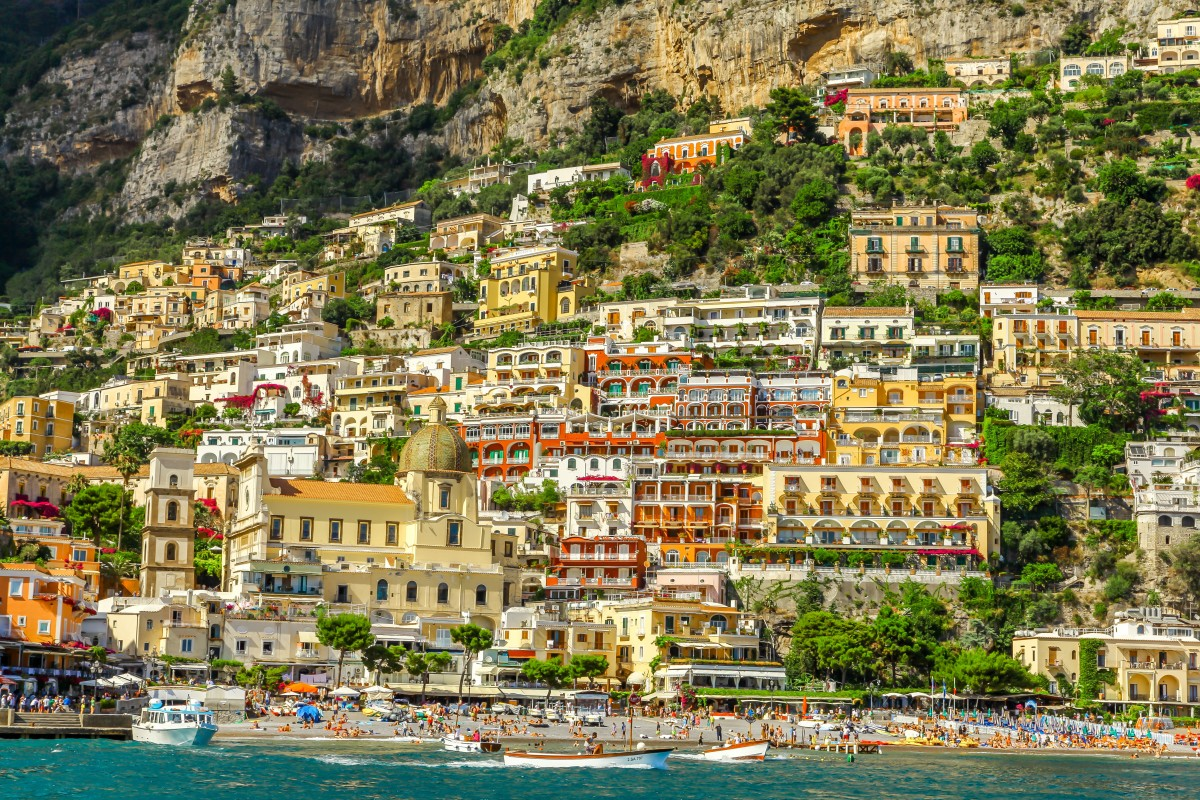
(570, 558)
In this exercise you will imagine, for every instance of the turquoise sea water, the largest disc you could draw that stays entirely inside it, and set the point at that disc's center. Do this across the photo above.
(339, 770)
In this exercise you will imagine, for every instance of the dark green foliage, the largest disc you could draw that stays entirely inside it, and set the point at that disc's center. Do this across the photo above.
(1119, 237)
(1075, 39)
(1014, 256)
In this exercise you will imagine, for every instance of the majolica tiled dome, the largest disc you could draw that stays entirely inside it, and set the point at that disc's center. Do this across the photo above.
(436, 447)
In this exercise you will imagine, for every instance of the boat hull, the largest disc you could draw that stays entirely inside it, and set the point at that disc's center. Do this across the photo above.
(639, 759)
(175, 736)
(744, 751)
(452, 745)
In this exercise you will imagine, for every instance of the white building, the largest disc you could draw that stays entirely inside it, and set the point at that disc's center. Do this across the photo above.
(1073, 68)
(290, 452)
(539, 182)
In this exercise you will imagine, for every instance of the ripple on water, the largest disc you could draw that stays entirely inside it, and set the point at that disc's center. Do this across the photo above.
(235, 770)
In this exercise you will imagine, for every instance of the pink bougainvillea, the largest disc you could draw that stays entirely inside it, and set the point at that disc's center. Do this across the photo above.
(210, 503)
(103, 313)
(1107, 121)
(1193, 182)
(837, 97)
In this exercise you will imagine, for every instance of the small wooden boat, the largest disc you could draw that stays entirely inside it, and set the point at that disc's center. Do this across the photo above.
(754, 750)
(641, 757)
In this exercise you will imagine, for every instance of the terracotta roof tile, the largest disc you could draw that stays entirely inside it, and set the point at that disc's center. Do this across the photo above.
(344, 492)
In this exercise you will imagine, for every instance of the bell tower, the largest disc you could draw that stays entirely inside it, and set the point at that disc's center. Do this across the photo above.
(168, 539)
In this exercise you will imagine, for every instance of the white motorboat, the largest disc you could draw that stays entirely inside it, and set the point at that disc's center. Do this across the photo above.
(754, 750)
(455, 744)
(640, 758)
(187, 725)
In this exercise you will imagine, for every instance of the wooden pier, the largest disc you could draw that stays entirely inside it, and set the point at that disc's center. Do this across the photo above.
(65, 726)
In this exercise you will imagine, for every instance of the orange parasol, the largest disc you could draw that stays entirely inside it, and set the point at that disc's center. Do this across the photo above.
(302, 688)
(804, 707)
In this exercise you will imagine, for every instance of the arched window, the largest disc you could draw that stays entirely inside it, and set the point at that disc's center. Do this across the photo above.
(616, 463)
(410, 592)
(1095, 69)
(481, 595)
(718, 622)
(443, 594)
(1188, 522)
(571, 464)
(381, 590)
(565, 306)
(1116, 69)
(1164, 520)
(172, 511)
(655, 169)
(172, 552)
(173, 482)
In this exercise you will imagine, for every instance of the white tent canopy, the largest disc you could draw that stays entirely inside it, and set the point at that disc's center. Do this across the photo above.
(344, 691)
(376, 690)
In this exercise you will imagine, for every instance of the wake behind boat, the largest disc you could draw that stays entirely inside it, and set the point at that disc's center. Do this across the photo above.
(175, 725)
(643, 757)
(754, 750)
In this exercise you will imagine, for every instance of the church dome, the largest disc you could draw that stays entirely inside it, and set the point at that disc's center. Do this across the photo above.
(436, 447)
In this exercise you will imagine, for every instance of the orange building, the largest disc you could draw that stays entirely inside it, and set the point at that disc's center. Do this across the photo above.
(870, 110)
(66, 552)
(636, 376)
(602, 562)
(685, 155)
(41, 610)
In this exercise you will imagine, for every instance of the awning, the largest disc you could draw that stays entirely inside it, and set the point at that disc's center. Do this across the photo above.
(308, 637)
(636, 679)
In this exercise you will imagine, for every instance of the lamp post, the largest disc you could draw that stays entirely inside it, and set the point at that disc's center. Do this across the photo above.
(94, 668)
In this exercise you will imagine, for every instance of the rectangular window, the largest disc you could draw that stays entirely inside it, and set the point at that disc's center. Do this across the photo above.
(44, 627)
(954, 264)
(364, 532)
(444, 497)
(268, 648)
(508, 549)
(306, 525)
(454, 537)
(185, 645)
(874, 264)
(392, 532)
(15, 587)
(874, 244)
(335, 530)
(276, 529)
(914, 264)
(954, 244)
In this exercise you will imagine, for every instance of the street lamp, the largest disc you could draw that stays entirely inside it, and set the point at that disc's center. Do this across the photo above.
(94, 667)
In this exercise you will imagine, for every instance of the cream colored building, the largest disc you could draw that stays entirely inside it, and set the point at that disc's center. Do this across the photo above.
(1072, 69)
(976, 73)
(406, 552)
(900, 508)
(1029, 348)
(1153, 654)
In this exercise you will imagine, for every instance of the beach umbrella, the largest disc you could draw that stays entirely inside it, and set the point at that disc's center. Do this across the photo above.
(288, 694)
(343, 691)
(376, 690)
(804, 707)
(308, 713)
(301, 687)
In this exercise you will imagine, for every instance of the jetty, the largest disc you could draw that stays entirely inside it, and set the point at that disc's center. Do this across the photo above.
(65, 726)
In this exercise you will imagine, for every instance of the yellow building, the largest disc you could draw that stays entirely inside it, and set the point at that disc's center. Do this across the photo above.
(1152, 653)
(300, 283)
(45, 424)
(527, 288)
(409, 551)
(928, 247)
(655, 634)
(880, 420)
(528, 632)
(901, 508)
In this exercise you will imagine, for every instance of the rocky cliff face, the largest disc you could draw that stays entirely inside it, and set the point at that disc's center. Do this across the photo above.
(342, 59)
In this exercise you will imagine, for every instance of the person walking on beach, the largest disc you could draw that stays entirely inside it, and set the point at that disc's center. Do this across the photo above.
(720, 735)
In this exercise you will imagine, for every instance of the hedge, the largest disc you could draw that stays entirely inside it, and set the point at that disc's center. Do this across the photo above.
(1074, 445)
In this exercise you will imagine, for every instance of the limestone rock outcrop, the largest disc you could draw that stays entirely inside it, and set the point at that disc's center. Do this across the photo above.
(322, 60)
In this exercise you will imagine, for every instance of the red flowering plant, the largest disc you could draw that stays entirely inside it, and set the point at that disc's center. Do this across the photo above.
(1193, 182)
